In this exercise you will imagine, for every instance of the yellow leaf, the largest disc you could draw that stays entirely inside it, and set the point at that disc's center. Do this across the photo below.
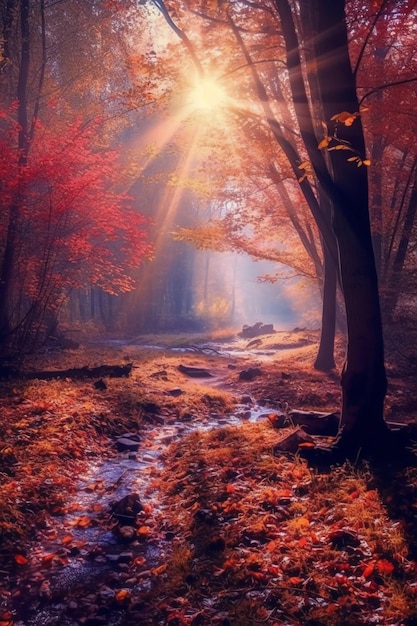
(353, 158)
(324, 143)
(304, 165)
(367, 162)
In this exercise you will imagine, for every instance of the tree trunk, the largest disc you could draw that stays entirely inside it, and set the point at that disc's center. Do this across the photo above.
(325, 356)
(7, 266)
(363, 379)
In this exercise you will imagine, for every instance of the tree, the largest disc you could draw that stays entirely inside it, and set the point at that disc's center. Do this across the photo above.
(321, 27)
(63, 224)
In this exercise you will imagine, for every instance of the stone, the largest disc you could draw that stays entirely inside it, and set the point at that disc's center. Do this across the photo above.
(126, 509)
(127, 533)
(124, 444)
(175, 392)
(250, 373)
(293, 441)
(248, 332)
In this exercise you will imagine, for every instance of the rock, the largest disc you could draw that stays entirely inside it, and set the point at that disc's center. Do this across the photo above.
(127, 508)
(293, 441)
(100, 385)
(248, 332)
(255, 343)
(175, 392)
(315, 422)
(124, 444)
(194, 372)
(106, 594)
(250, 373)
(150, 407)
(127, 533)
(163, 374)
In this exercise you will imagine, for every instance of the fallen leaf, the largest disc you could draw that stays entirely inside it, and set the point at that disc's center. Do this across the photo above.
(122, 596)
(20, 559)
(384, 566)
(67, 539)
(368, 571)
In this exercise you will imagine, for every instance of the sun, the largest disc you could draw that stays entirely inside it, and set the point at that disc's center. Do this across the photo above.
(207, 94)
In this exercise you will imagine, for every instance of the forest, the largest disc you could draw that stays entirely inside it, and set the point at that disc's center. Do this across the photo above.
(208, 328)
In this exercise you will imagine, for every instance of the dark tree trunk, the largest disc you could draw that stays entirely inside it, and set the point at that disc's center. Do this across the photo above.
(7, 266)
(325, 356)
(363, 379)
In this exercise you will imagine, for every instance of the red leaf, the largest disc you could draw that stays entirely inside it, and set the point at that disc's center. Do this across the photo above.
(368, 571)
(384, 566)
(20, 559)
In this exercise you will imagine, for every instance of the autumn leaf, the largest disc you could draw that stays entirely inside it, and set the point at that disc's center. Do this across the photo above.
(122, 596)
(20, 559)
(143, 531)
(384, 566)
(81, 522)
(368, 571)
(324, 143)
(345, 117)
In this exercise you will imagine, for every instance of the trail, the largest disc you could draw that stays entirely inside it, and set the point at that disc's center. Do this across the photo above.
(81, 567)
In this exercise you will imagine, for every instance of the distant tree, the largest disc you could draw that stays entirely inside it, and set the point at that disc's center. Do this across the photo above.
(63, 224)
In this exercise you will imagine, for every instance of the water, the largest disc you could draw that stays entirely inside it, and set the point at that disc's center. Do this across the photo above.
(79, 563)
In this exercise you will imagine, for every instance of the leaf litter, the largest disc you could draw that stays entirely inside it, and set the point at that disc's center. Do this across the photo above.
(229, 532)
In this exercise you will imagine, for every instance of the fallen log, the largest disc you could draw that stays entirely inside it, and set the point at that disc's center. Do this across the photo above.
(102, 371)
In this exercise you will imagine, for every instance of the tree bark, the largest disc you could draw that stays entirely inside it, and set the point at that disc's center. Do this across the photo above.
(363, 379)
(7, 266)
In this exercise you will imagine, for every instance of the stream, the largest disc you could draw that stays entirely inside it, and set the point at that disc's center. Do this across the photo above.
(80, 570)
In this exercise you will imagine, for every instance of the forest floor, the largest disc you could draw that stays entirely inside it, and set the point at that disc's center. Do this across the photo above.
(162, 499)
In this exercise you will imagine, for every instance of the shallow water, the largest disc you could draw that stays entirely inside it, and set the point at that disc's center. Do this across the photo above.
(52, 593)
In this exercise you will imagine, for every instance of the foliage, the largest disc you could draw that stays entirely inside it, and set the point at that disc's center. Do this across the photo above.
(72, 228)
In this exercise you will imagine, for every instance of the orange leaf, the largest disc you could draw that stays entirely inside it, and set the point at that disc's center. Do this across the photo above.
(384, 566)
(122, 595)
(67, 539)
(143, 531)
(302, 542)
(230, 489)
(82, 522)
(283, 493)
(159, 570)
(368, 571)
(307, 444)
(48, 557)
(294, 580)
(20, 559)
